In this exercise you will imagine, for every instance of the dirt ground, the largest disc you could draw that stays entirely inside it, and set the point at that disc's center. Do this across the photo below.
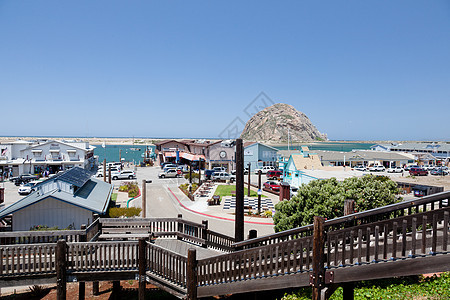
(129, 291)
(427, 180)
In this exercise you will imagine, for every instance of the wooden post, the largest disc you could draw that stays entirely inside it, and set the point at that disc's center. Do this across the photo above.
(142, 267)
(61, 270)
(104, 170)
(116, 290)
(239, 217)
(83, 237)
(190, 173)
(199, 171)
(348, 288)
(191, 275)
(318, 273)
(349, 206)
(205, 233)
(180, 226)
(348, 291)
(248, 183)
(144, 198)
(95, 288)
(259, 191)
(81, 290)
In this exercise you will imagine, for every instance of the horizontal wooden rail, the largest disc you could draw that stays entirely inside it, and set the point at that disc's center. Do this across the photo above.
(39, 237)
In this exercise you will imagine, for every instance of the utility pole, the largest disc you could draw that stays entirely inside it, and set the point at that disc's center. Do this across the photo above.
(239, 217)
(248, 183)
(104, 170)
(259, 192)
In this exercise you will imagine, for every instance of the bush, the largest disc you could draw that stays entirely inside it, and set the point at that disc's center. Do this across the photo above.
(326, 198)
(131, 187)
(195, 177)
(129, 212)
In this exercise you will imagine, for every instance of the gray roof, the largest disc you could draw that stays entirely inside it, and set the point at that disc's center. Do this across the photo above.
(94, 195)
(358, 155)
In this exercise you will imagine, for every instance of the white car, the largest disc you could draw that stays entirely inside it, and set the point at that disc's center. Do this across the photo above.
(27, 188)
(377, 169)
(395, 170)
(170, 173)
(265, 169)
(222, 176)
(360, 168)
(113, 170)
(125, 174)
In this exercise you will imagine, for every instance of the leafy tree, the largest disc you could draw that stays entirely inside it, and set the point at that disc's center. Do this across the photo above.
(326, 198)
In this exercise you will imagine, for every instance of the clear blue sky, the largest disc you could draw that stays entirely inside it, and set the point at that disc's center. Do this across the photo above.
(360, 70)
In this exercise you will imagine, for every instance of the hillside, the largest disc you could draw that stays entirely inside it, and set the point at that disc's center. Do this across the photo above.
(273, 124)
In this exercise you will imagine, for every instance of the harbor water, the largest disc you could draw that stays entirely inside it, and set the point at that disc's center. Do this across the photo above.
(129, 153)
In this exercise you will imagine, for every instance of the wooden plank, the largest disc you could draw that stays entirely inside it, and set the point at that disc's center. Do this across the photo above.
(263, 284)
(389, 269)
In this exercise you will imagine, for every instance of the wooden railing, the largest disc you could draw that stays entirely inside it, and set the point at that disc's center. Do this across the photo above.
(284, 258)
(38, 237)
(93, 231)
(27, 259)
(92, 256)
(404, 208)
(166, 265)
(219, 241)
(399, 238)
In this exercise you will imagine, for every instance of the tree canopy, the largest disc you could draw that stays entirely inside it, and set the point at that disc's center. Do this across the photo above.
(326, 198)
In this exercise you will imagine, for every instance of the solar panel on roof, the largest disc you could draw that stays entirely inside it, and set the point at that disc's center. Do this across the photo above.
(76, 176)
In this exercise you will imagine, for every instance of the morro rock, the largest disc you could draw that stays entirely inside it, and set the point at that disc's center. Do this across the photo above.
(276, 122)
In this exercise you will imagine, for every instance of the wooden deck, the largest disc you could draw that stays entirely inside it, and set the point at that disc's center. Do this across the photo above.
(407, 238)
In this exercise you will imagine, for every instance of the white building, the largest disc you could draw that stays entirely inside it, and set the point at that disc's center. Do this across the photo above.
(34, 157)
(71, 198)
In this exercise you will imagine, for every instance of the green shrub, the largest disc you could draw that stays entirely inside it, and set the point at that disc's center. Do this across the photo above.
(129, 212)
(326, 198)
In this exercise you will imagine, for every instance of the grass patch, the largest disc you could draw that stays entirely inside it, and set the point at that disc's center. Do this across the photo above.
(225, 190)
(412, 287)
(114, 197)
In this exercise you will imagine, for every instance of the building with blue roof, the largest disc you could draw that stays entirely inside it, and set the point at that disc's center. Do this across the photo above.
(68, 199)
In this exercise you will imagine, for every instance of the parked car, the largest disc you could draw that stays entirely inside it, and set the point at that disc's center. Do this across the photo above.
(222, 176)
(395, 170)
(360, 168)
(125, 174)
(27, 188)
(439, 171)
(233, 172)
(418, 171)
(264, 169)
(377, 168)
(114, 170)
(166, 164)
(428, 167)
(24, 178)
(274, 174)
(219, 169)
(272, 185)
(170, 173)
(407, 168)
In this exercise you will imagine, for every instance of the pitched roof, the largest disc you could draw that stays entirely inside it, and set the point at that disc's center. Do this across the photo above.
(94, 195)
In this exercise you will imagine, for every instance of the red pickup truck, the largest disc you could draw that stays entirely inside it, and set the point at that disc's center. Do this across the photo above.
(418, 171)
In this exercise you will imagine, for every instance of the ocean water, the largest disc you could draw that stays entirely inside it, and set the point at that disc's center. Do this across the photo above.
(329, 146)
(131, 153)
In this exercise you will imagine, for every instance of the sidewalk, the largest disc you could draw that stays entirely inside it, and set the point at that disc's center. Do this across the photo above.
(200, 206)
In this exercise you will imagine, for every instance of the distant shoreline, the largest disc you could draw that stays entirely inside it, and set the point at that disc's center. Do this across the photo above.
(150, 141)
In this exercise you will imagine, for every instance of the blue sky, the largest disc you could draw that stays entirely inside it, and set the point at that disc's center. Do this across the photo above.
(360, 70)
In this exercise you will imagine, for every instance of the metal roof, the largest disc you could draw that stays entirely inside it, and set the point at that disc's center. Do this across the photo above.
(76, 176)
(93, 196)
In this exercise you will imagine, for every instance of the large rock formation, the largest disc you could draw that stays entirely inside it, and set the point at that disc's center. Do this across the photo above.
(273, 124)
